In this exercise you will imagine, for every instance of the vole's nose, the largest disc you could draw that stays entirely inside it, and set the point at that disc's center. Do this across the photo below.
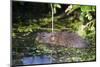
(52, 38)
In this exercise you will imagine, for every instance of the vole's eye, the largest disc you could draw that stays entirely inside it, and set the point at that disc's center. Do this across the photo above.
(43, 36)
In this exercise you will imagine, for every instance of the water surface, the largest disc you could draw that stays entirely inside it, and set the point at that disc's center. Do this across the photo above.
(43, 59)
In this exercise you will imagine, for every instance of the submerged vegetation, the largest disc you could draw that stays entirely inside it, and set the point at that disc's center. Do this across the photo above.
(30, 18)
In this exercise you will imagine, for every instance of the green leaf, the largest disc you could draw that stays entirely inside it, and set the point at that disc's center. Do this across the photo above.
(89, 16)
(54, 10)
(30, 29)
(57, 5)
(71, 8)
(86, 8)
(93, 8)
(13, 34)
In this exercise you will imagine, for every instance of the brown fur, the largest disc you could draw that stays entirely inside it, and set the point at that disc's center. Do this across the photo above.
(66, 39)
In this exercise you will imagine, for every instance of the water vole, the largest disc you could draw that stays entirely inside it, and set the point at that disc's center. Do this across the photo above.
(66, 39)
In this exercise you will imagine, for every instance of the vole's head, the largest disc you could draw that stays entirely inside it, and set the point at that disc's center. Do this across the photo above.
(45, 37)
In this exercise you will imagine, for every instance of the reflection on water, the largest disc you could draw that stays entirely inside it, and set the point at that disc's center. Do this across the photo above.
(36, 60)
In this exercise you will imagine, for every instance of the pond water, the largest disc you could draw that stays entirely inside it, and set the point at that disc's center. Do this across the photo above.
(43, 59)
